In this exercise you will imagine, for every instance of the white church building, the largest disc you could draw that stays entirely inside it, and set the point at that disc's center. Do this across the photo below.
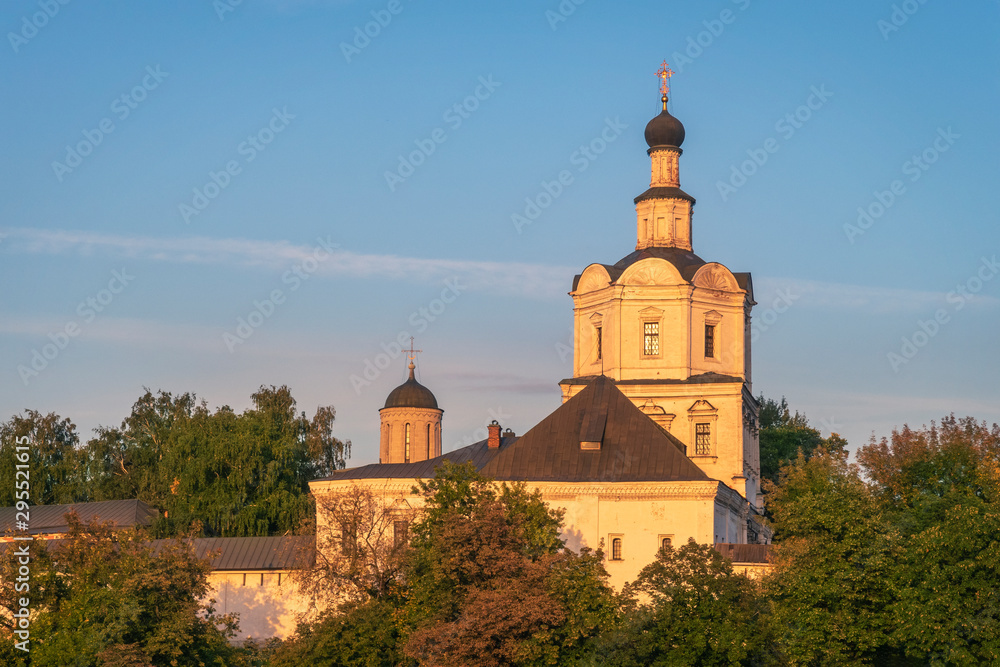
(656, 439)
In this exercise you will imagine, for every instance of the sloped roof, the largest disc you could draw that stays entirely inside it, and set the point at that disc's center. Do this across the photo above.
(632, 447)
(253, 553)
(479, 453)
(48, 519)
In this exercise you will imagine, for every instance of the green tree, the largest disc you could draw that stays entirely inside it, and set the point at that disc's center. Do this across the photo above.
(237, 474)
(53, 461)
(834, 561)
(689, 607)
(942, 485)
(358, 634)
(101, 597)
(783, 435)
(489, 582)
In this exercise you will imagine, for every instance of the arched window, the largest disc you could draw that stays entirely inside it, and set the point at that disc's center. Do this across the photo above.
(616, 548)
(406, 443)
(665, 543)
(428, 439)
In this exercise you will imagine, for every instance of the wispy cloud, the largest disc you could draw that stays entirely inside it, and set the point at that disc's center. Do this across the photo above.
(863, 298)
(531, 280)
(512, 278)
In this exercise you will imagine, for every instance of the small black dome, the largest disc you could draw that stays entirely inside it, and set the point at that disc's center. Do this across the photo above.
(664, 130)
(411, 394)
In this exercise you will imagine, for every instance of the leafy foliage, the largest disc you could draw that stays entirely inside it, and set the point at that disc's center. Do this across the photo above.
(236, 474)
(365, 634)
(783, 435)
(53, 458)
(895, 562)
(688, 607)
(100, 597)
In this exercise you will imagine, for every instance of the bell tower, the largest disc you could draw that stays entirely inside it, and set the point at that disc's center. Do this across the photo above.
(672, 330)
(410, 422)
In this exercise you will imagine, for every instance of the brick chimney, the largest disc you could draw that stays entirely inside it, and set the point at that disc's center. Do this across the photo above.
(493, 442)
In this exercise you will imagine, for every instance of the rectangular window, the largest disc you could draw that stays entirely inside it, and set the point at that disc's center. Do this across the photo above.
(406, 439)
(650, 338)
(348, 541)
(702, 439)
(600, 342)
(400, 533)
(709, 340)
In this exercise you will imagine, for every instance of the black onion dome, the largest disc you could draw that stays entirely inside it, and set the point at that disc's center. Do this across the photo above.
(664, 130)
(411, 394)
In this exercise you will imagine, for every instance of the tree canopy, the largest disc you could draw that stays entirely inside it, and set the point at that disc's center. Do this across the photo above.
(103, 597)
(235, 474)
(783, 435)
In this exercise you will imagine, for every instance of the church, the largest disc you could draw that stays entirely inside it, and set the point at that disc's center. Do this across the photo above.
(656, 440)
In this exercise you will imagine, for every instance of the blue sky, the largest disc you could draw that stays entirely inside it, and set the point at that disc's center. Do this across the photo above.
(287, 122)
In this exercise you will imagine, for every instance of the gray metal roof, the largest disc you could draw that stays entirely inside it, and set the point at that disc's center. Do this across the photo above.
(632, 447)
(49, 519)
(254, 553)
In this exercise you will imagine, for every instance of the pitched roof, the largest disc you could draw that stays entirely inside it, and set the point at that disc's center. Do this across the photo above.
(49, 519)
(629, 446)
(478, 453)
(253, 553)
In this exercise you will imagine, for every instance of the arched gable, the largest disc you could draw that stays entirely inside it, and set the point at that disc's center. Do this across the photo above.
(651, 271)
(716, 277)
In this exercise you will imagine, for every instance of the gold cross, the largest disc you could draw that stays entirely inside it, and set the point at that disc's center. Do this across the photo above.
(411, 353)
(664, 75)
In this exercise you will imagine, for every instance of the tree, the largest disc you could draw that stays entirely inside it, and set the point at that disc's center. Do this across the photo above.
(53, 459)
(833, 563)
(783, 435)
(237, 474)
(103, 597)
(489, 582)
(942, 485)
(358, 634)
(689, 607)
(359, 549)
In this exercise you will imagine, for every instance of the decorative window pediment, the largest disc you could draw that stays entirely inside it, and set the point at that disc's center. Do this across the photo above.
(650, 312)
(702, 407)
